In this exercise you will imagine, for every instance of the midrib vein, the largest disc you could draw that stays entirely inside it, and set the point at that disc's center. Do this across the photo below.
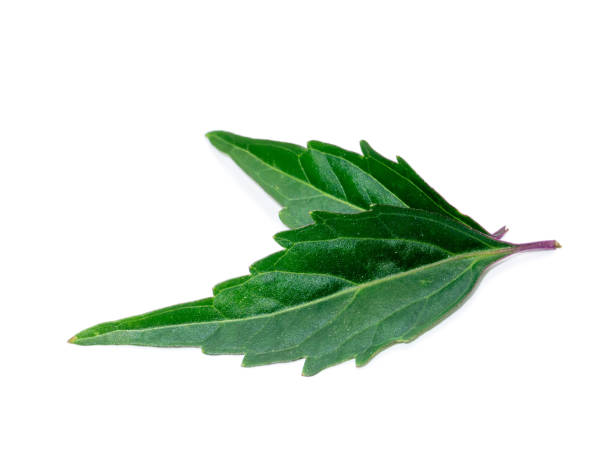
(376, 324)
(335, 294)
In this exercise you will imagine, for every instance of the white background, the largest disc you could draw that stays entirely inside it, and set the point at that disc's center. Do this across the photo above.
(113, 203)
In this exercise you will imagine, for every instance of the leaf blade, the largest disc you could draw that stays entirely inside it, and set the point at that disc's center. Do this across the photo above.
(405, 171)
(294, 307)
(326, 177)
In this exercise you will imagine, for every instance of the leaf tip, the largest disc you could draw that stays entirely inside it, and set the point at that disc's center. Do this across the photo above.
(210, 134)
(318, 216)
(282, 240)
(73, 339)
(312, 144)
(366, 149)
(219, 139)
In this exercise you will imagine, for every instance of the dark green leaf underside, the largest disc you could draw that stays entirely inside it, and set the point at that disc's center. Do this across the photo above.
(346, 287)
(328, 178)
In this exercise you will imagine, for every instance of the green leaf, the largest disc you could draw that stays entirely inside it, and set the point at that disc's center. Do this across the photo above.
(345, 287)
(328, 178)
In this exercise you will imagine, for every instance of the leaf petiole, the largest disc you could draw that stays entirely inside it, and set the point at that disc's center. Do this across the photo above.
(547, 244)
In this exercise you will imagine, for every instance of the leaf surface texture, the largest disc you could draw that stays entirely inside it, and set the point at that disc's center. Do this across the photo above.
(328, 178)
(345, 287)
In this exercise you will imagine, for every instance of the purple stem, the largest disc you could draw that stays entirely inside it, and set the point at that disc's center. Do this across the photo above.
(500, 233)
(548, 244)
